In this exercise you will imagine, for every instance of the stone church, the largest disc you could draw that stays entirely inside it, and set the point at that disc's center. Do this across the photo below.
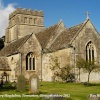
(30, 46)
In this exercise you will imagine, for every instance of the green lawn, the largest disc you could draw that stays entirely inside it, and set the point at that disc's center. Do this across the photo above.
(77, 91)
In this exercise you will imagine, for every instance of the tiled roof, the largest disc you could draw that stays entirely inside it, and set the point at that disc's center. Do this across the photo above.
(64, 38)
(4, 64)
(60, 42)
(44, 36)
(12, 48)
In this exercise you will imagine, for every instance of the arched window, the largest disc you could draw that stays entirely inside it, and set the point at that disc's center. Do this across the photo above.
(30, 61)
(25, 20)
(35, 20)
(90, 52)
(30, 20)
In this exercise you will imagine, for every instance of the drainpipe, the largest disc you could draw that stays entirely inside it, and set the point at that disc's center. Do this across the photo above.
(41, 65)
(20, 63)
(74, 53)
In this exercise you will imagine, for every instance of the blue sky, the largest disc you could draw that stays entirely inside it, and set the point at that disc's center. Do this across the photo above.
(72, 12)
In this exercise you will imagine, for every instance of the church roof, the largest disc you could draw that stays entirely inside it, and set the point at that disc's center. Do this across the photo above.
(64, 38)
(44, 36)
(61, 39)
(4, 64)
(13, 47)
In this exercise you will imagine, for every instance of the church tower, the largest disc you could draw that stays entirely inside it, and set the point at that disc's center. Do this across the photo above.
(23, 22)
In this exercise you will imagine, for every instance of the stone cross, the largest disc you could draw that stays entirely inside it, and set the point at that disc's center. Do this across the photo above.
(87, 15)
(33, 83)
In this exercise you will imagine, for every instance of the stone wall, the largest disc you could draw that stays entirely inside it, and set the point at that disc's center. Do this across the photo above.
(23, 22)
(63, 57)
(14, 62)
(87, 34)
(33, 46)
(27, 12)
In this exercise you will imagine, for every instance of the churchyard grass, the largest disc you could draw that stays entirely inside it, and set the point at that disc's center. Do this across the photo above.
(77, 91)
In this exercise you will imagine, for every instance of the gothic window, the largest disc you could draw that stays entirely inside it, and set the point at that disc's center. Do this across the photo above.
(90, 52)
(30, 61)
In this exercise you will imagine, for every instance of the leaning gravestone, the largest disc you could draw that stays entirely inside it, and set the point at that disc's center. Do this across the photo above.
(34, 83)
(21, 83)
(93, 97)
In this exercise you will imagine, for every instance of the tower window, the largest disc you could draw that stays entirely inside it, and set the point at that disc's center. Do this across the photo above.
(30, 61)
(25, 20)
(35, 20)
(30, 20)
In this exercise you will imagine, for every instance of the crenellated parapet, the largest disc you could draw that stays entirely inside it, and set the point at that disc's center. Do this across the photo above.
(23, 22)
(26, 12)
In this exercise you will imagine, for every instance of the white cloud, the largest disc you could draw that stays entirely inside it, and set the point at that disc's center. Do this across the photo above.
(4, 16)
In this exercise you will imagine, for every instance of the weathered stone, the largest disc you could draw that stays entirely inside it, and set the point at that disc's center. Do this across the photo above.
(67, 44)
(52, 78)
(33, 83)
(23, 22)
(21, 83)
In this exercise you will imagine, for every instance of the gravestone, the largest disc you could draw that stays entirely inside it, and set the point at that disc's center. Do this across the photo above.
(21, 83)
(34, 83)
(93, 97)
(52, 78)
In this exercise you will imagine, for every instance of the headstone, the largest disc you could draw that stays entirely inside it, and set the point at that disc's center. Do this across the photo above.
(52, 78)
(93, 97)
(34, 83)
(21, 83)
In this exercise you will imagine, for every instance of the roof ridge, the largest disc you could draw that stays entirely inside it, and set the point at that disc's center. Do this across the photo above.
(25, 40)
(46, 29)
(7, 50)
(18, 39)
(79, 29)
(54, 31)
(75, 26)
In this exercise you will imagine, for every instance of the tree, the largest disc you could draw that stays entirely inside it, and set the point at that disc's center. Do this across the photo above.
(80, 64)
(66, 73)
(1, 43)
(88, 66)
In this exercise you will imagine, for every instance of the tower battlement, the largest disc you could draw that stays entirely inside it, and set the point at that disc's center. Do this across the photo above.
(26, 12)
(23, 22)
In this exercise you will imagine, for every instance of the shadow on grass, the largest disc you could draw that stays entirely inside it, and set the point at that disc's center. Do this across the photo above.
(14, 89)
(7, 88)
(91, 84)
